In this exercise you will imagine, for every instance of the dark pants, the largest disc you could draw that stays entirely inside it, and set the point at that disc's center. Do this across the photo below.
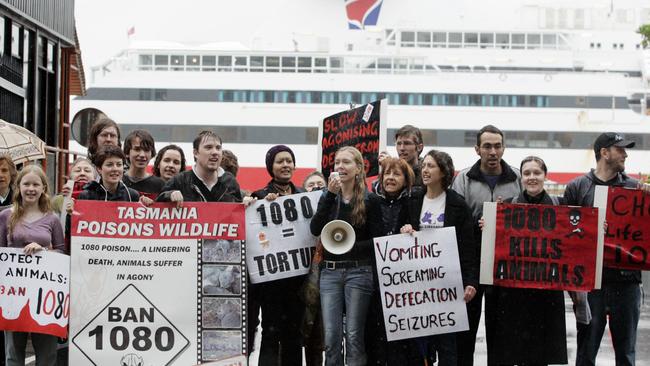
(621, 302)
(466, 341)
(282, 312)
(2, 348)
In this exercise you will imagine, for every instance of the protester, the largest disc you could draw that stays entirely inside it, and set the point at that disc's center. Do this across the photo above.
(7, 178)
(529, 324)
(104, 132)
(312, 323)
(618, 300)
(409, 145)
(396, 180)
(207, 181)
(346, 281)
(110, 164)
(230, 163)
(169, 162)
(279, 300)
(439, 207)
(82, 171)
(139, 148)
(30, 224)
(489, 179)
(315, 180)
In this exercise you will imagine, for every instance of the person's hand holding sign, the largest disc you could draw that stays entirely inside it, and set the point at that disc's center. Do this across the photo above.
(32, 248)
(177, 196)
(470, 292)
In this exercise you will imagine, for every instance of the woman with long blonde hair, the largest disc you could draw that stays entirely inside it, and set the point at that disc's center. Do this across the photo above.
(31, 225)
(346, 280)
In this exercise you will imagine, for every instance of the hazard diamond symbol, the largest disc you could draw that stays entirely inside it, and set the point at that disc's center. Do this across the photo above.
(130, 331)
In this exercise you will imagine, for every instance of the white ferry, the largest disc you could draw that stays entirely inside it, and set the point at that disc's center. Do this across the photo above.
(551, 74)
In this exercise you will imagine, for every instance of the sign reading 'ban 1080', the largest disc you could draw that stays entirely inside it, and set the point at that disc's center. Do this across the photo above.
(278, 241)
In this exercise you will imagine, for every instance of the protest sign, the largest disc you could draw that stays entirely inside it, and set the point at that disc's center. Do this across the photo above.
(627, 237)
(34, 292)
(157, 286)
(420, 283)
(279, 242)
(362, 127)
(540, 247)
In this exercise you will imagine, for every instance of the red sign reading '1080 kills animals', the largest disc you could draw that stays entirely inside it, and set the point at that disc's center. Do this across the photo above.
(545, 247)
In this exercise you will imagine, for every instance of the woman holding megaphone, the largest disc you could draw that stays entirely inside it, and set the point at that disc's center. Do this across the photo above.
(438, 207)
(344, 220)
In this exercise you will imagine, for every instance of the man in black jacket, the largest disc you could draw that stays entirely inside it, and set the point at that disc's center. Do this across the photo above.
(619, 296)
(207, 181)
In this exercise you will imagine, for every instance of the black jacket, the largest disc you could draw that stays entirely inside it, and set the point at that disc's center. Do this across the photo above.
(457, 214)
(328, 206)
(393, 210)
(95, 191)
(270, 188)
(580, 192)
(194, 190)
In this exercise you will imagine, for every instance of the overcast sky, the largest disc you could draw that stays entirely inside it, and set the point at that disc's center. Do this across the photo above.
(102, 25)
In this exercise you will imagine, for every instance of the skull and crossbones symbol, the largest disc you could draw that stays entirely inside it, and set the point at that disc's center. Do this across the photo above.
(574, 220)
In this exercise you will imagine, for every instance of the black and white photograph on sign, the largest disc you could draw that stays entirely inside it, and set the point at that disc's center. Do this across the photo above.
(221, 251)
(221, 280)
(218, 345)
(220, 312)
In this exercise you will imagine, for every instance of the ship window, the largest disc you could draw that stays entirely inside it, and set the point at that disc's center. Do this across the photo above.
(393, 98)
(471, 39)
(257, 63)
(515, 138)
(224, 63)
(408, 39)
(424, 39)
(414, 99)
(241, 63)
(439, 39)
(455, 40)
(209, 63)
(368, 98)
(304, 64)
(145, 60)
(161, 62)
(487, 40)
(288, 64)
(320, 62)
(336, 64)
(272, 63)
(327, 97)
(303, 97)
(518, 40)
(240, 96)
(503, 40)
(177, 62)
(193, 62)
(538, 139)
(533, 40)
(550, 41)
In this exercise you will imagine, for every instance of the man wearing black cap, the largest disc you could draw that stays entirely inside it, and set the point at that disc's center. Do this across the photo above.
(619, 296)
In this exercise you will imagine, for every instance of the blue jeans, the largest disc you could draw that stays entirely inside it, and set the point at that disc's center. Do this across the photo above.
(345, 290)
(621, 301)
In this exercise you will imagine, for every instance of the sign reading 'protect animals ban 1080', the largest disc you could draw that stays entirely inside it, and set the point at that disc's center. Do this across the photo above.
(542, 247)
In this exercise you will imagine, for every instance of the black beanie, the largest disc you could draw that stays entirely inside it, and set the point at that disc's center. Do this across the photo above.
(270, 157)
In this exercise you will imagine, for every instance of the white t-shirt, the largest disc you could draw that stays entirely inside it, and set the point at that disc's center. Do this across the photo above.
(433, 212)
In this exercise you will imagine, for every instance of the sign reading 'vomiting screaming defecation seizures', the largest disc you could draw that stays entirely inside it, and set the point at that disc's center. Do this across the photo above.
(627, 237)
(34, 292)
(540, 247)
(158, 285)
(421, 285)
(279, 242)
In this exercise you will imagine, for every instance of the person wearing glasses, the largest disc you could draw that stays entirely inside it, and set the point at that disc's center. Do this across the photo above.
(104, 132)
(409, 146)
(488, 180)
